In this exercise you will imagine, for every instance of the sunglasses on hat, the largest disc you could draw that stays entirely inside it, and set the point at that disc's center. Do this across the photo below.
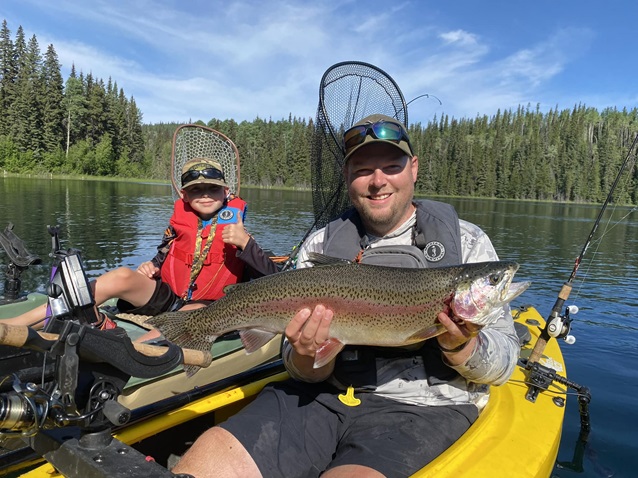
(208, 173)
(384, 130)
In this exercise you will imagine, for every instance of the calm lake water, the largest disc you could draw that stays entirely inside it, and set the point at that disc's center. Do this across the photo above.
(120, 224)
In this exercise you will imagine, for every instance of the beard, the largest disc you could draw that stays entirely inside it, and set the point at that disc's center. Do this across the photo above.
(378, 222)
(381, 220)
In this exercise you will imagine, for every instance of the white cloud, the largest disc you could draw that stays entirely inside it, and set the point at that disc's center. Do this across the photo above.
(459, 37)
(199, 60)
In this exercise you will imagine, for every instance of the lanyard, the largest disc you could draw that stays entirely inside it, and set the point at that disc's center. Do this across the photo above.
(199, 256)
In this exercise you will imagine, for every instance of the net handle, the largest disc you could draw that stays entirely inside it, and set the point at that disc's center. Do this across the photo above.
(176, 182)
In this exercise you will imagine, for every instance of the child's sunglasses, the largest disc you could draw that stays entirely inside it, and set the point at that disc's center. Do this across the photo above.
(208, 173)
(385, 130)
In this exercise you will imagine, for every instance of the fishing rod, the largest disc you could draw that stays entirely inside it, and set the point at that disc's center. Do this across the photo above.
(558, 325)
(424, 95)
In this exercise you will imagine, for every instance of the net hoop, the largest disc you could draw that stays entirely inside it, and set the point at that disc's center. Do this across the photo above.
(349, 91)
(197, 141)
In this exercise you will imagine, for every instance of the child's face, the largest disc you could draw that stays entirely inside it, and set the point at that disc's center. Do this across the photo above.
(205, 199)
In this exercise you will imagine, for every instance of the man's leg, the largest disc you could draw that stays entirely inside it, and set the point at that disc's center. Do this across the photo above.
(352, 471)
(217, 453)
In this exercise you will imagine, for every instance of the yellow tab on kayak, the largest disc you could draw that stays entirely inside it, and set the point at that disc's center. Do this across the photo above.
(348, 398)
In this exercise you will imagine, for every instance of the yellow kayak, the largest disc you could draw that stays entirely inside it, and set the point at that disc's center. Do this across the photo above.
(512, 437)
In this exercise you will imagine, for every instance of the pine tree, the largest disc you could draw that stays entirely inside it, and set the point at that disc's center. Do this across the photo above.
(8, 76)
(134, 136)
(74, 104)
(52, 101)
(27, 111)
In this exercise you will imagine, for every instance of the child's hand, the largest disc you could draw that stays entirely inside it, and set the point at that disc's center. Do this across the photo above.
(235, 234)
(148, 269)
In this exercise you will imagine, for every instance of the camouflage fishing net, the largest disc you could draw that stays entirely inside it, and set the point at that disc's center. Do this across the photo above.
(349, 92)
(195, 141)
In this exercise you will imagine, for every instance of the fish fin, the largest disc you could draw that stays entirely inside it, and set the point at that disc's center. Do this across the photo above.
(426, 333)
(191, 370)
(174, 327)
(254, 339)
(232, 287)
(318, 259)
(328, 350)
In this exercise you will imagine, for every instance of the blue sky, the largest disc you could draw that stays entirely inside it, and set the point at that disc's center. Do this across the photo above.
(197, 60)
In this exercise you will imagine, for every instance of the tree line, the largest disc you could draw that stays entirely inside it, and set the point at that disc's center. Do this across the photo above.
(84, 126)
(81, 126)
(563, 155)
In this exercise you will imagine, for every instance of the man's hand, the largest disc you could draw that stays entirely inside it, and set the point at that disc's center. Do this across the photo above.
(236, 234)
(457, 334)
(309, 329)
(306, 332)
(148, 269)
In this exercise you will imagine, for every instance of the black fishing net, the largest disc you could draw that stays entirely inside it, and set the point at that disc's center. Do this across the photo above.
(349, 92)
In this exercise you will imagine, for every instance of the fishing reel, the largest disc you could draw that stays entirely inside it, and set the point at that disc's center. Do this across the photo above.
(560, 326)
(30, 408)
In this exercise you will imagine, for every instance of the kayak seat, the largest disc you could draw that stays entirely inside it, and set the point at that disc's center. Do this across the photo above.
(524, 335)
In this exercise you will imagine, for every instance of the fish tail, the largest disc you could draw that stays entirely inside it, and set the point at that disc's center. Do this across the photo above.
(174, 327)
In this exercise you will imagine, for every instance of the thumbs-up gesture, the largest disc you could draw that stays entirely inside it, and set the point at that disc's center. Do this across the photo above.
(236, 234)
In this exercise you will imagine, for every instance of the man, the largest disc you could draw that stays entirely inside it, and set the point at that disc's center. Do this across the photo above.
(371, 412)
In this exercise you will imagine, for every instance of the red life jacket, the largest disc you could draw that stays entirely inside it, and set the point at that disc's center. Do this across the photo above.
(221, 267)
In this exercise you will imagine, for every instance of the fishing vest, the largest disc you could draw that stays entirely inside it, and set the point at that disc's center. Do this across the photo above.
(221, 266)
(437, 243)
(437, 235)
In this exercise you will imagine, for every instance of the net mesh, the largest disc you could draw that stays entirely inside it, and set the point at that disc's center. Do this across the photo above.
(349, 92)
(196, 141)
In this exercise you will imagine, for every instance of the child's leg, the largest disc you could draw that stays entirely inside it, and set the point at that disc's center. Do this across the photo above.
(121, 283)
(34, 317)
(124, 283)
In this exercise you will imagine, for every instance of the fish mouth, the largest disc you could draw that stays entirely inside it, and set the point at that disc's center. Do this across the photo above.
(514, 290)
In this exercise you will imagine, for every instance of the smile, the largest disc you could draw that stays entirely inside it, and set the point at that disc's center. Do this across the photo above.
(379, 197)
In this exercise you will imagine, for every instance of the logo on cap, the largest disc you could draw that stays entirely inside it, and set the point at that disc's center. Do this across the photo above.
(434, 251)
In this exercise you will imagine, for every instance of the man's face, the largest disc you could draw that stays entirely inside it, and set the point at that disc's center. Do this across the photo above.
(380, 181)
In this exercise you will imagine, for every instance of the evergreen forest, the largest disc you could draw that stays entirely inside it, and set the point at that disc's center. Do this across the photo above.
(85, 126)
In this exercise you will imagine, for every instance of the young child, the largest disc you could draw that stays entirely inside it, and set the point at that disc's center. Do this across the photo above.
(205, 248)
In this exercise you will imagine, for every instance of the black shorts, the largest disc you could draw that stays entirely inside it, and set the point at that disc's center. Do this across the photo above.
(162, 300)
(295, 429)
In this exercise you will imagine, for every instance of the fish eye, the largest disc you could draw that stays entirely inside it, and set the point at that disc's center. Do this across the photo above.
(495, 278)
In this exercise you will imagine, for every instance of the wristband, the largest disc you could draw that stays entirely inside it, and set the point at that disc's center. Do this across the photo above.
(456, 349)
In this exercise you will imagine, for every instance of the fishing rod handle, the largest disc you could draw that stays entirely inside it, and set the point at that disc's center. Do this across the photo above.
(191, 356)
(13, 335)
(20, 335)
(538, 350)
(544, 337)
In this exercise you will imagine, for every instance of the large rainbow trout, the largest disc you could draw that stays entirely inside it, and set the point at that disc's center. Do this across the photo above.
(372, 305)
